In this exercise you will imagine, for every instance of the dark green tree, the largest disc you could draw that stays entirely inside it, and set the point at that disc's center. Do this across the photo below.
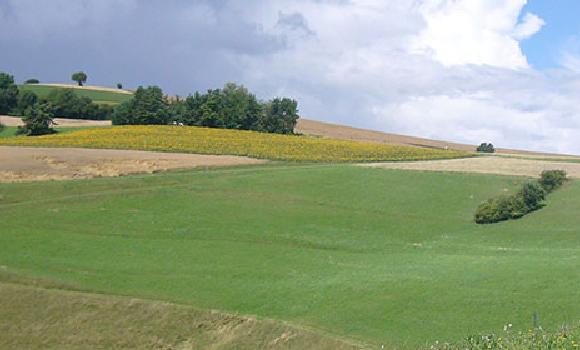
(26, 99)
(552, 179)
(8, 93)
(280, 116)
(119, 86)
(79, 77)
(38, 120)
(148, 106)
(32, 81)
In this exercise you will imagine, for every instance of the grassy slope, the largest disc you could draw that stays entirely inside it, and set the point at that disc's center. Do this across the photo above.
(88, 321)
(382, 256)
(104, 97)
(10, 131)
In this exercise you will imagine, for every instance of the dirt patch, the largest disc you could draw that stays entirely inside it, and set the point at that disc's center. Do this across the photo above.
(61, 122)
(486, 165)
(19, 164)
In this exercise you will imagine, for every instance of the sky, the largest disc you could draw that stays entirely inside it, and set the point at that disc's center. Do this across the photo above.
(472, 71)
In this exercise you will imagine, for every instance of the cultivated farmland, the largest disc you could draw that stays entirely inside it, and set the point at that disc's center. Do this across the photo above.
(232, 142)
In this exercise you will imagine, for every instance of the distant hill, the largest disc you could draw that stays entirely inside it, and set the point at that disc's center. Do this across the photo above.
(100, 95)
(343, 132)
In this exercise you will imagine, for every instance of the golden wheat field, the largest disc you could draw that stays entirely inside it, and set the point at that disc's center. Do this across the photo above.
(232, 142)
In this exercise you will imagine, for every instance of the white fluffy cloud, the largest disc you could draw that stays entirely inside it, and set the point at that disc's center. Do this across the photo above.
(448, 69)
(476, 32)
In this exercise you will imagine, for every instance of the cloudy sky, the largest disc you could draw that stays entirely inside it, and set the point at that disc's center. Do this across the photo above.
(504, 71)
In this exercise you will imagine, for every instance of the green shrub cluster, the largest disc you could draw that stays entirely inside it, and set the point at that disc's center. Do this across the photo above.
(37, 120)
(551, 180)
(32, 81)
(67, 104)
(486, 148)
(537, 339)
(529, 198)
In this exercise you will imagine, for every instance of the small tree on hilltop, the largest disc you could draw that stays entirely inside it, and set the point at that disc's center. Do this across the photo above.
(37, 120)
(79, 77)
(119, 86)
(8, 93)
(32, 81)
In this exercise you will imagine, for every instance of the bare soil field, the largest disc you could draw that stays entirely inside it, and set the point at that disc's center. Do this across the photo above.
(20, 164)
(486, 165)
(321, 129)
(61, 122)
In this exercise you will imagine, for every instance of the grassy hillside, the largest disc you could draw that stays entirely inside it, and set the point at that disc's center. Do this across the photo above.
(88, 321)
(98, 96)
(382, 256)
(232, 142)
(10, 131)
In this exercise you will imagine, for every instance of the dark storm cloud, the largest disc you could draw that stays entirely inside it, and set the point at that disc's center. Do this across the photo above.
(180, 45)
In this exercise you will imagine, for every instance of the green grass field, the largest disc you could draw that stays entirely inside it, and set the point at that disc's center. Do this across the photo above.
(101, 97)
(10, 131)
(374, 255)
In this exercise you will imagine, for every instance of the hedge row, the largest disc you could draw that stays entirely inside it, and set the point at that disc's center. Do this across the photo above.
(529, 198)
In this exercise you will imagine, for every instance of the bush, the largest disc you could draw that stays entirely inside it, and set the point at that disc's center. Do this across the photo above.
(486, 148)
(8, 93)
(119, 86)
(529, 198)
(32, 81)
(37, 120)
(533, 195)
(500, 209)
(551, 180)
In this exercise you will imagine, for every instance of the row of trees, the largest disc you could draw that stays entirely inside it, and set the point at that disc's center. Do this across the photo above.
(232, 107)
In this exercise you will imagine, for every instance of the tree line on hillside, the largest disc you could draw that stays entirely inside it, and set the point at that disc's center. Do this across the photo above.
(63, 103)
(232, 107)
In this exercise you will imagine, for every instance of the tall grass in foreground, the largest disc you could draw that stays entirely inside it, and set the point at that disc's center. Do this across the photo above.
(534, 339)
(234, 142)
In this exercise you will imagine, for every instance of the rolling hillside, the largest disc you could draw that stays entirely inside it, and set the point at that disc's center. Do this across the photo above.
(97, 94)
(380, 256)
(343, 132)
